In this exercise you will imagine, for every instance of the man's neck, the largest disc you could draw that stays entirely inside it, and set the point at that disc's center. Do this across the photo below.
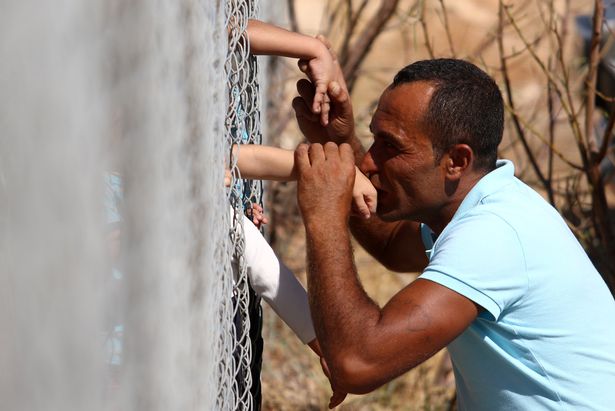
(454, 200)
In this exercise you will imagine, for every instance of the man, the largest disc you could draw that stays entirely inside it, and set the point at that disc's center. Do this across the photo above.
(528, 321)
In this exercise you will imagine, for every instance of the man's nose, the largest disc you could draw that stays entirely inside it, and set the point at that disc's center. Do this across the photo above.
(368, 165)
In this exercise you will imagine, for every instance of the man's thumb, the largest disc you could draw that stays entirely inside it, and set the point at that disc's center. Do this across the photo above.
(335, 90)
(339, 96)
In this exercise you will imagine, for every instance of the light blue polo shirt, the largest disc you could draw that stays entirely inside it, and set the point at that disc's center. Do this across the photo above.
(546, 337)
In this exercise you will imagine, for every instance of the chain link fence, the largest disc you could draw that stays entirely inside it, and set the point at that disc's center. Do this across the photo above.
(240, 345)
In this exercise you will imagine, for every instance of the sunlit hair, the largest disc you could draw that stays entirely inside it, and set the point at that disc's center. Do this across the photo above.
(465, 108)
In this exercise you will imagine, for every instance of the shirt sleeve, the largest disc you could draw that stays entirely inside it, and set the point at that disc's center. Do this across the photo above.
(276, 284)
(481, 258)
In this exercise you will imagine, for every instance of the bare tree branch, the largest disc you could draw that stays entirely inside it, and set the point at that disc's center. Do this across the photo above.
(447, 29)
(425, 30)
(592, 75)
(515, 117)
(366, 39)
(292, 16)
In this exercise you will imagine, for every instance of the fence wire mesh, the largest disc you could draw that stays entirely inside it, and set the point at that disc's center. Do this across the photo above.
(240, 343)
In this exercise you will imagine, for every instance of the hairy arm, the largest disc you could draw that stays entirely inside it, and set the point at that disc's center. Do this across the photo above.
(364, 345)
(396, 245)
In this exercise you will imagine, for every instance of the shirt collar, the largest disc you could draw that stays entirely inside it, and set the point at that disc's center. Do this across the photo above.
(501, 176)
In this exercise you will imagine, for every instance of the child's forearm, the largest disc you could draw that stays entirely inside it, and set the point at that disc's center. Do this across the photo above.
(256, 162)
(269, 39)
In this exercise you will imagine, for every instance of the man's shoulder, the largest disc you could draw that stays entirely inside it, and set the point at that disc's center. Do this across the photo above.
(483, 220)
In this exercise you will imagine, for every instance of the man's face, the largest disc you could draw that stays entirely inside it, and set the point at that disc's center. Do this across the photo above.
(400, 162)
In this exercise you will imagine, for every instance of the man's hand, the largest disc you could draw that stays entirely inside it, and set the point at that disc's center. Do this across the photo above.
(340, 126)
(339, 129)
(337, 397)
(325, 180)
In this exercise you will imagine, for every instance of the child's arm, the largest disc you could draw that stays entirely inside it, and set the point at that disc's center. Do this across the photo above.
(276, 284)
(268, 39)
(272, 40)
(256, 162)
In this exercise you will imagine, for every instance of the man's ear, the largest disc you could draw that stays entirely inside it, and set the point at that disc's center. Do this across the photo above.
(458, 160)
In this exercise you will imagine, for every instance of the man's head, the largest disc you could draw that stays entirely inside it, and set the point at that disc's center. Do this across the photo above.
(466, 107)
(436, 131)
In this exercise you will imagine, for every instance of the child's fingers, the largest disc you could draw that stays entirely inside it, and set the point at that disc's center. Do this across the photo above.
(371, 200)
(320, 96)
(257, 208)
(227, 178)
(318, 100)
(361, 207)
(324, 111)
(324, 40)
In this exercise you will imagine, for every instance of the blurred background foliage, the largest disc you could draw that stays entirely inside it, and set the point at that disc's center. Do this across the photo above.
(555, 63)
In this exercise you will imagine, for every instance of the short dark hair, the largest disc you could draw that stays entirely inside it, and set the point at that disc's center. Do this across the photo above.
(465, 108)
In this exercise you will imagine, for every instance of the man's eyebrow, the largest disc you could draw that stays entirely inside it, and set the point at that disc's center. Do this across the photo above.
(383, 134)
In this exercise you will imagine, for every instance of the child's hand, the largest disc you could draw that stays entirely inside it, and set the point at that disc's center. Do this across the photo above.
(364, 196)
(335, 76)
(321, 70)
(255, 212)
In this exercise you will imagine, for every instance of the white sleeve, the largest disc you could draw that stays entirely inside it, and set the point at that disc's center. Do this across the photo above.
(276, 284)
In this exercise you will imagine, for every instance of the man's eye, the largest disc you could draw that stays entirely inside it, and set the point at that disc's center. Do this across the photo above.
(389, 145)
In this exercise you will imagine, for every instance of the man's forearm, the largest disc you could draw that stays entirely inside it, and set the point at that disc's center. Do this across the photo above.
(396, 245)
(337, 299)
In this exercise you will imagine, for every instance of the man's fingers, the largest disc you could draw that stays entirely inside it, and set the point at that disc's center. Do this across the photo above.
(337, 93)
(346, 153)
(331, 150)
(304, 65)
(302, 159)
(340, 98)
(324, 40)
(317, 153)
(325, 107)
(301, 110)
(306, 90)
(338, 396)
(336, 399)
(319, 99)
